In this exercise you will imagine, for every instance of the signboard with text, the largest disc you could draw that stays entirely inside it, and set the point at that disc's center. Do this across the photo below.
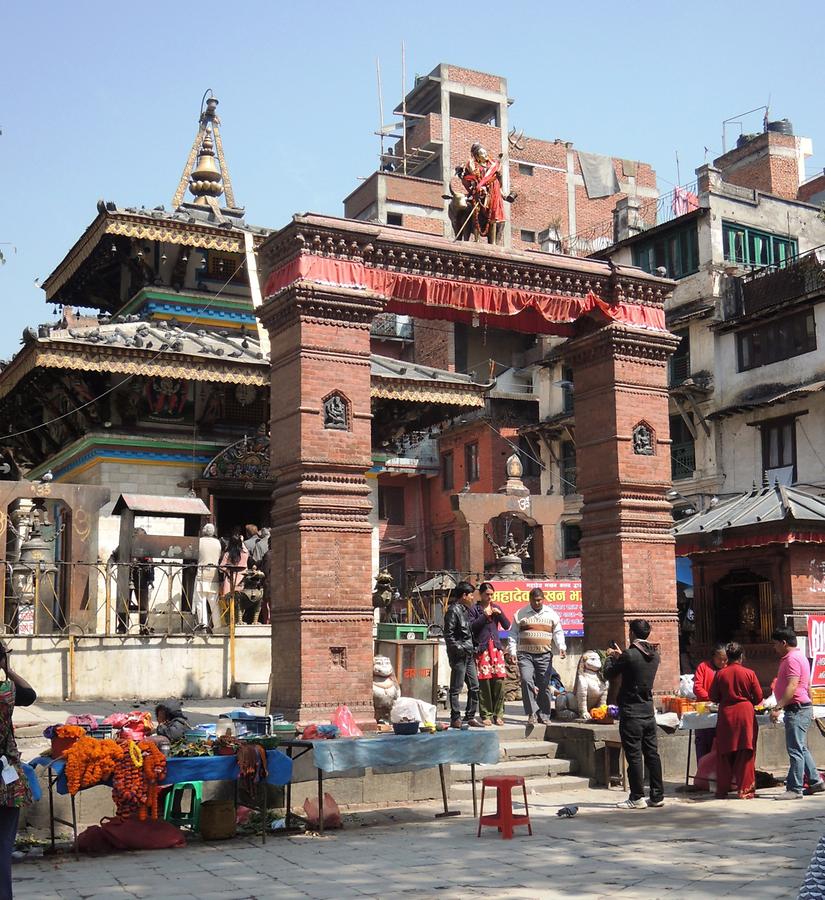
(565, 597)
(816, 636)
(818, 671)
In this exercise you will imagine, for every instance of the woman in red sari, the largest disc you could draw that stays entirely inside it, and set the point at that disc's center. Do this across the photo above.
(736, 690)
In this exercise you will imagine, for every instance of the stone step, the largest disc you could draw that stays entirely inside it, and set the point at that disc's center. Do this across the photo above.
(463, 790)
(527, 768)
(526, 747)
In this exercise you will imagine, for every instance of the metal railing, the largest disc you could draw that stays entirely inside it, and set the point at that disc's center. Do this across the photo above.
(780, 282)
(389, 325)
(678, 369)
(682, 460)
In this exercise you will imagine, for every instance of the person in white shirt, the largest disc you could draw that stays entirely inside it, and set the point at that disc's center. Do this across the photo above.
(538, 629)
(208, 582)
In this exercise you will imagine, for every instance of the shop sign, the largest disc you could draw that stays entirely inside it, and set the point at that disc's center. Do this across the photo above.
(816, 636)
(565, 597)
(818, 671)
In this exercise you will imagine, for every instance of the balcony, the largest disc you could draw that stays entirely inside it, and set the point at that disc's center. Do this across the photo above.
(682, 460)
(567, 476)
(679, 369)
(794, 280)
(389, 326)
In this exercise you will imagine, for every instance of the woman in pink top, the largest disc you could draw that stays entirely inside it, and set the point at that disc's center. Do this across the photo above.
(791, 690)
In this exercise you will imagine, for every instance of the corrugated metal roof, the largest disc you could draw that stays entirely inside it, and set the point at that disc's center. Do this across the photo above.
(766, 504)
(784, 396)
(160, 505)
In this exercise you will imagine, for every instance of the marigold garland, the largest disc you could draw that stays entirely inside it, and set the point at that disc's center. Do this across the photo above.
(70, 731)
(90, 761)
(135, 786)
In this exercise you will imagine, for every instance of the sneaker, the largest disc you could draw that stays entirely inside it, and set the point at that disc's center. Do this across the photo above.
(789, 795)
(816, 788)
(656, 803)
(632, 804)
(486, 722)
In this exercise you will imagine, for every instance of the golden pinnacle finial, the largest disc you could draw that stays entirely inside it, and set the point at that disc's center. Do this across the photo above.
(209, 177)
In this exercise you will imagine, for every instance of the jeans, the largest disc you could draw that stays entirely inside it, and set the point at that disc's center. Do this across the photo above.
(9, 817)
(536, 670)
(797, 723)
(639, 743)
(463, 670)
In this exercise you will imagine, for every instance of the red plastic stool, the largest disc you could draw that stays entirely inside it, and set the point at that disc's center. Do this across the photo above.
(504, 819)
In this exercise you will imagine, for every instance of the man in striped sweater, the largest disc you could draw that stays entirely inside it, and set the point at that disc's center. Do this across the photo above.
(538, 629)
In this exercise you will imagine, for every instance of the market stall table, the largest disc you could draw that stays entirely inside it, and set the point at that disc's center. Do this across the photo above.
(386, 753)
(178, 769)
(691, 722)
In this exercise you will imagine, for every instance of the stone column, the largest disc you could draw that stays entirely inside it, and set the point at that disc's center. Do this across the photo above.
(623, 459)
(320, 541)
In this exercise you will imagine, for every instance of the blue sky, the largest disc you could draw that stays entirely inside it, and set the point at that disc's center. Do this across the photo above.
(102, 99)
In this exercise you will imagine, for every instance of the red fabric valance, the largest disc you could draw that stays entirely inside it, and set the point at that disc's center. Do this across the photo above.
(459, 301)
(737, 542)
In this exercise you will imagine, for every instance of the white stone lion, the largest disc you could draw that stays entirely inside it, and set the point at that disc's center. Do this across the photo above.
(590, 690)
(385, 688)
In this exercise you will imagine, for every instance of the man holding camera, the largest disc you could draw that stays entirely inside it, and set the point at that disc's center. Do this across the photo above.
(637, 667)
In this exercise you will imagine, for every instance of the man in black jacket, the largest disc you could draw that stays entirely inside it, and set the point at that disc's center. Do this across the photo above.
(637, 667)
(461, 654)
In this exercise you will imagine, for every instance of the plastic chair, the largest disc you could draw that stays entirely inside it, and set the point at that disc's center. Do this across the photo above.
(504, 819)
(173, 806)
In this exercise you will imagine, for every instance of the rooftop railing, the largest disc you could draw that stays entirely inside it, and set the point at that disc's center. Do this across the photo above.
(793, 279)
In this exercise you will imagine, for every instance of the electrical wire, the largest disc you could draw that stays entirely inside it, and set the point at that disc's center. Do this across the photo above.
(123, 381)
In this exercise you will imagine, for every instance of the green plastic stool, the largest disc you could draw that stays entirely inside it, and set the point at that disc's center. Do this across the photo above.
(173, 804)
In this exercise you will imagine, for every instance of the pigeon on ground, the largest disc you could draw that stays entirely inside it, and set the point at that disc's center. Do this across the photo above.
(567, 812)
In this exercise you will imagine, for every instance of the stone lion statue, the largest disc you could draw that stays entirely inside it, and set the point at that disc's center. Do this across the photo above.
(385, 688)
(590, 689)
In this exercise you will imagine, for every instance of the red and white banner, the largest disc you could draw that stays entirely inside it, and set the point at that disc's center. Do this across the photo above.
(818, 671)
(816, 636)
(565, 597)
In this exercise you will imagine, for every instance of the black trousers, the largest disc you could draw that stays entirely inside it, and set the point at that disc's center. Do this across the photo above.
(463, 670)
(9, 817)
(639, 743)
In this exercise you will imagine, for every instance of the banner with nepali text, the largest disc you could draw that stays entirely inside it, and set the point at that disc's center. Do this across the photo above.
(565, 597)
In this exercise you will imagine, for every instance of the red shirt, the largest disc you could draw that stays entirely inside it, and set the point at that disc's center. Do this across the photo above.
(703, 679)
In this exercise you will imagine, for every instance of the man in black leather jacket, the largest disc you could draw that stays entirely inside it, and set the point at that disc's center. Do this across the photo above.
(461, 654)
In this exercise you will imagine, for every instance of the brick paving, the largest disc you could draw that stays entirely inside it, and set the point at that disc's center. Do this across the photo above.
(692, 848)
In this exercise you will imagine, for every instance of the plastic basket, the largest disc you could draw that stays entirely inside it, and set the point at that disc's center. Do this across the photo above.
(103, 732)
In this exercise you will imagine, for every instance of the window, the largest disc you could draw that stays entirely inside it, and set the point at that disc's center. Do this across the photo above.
(682, 449)
(395, 219)
(447, 471)
(567, 389)
(448, 550)
(524, 169)
(529, 457)
(391, 504)
(571, 535)
(779, 339)
(222, 266)
(567, 468)
(528, 237)
(471, 462)
(779, 450)
(679, 366)
(750, 247)
(677, 251)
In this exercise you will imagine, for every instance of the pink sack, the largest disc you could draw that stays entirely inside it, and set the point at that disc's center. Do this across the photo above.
(706, 770)
(332, 814)
(345, 722)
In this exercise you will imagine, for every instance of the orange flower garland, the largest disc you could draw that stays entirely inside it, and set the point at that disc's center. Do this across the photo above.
(90, 761)
(70, 731)
(135, 787)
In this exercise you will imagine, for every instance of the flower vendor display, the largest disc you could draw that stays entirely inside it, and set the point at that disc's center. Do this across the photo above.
(90, 761)
(137, 775)
(63, 737)
(603, 715)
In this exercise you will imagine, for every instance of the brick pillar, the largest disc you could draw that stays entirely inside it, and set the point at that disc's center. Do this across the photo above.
(320, 542)
(623, 458)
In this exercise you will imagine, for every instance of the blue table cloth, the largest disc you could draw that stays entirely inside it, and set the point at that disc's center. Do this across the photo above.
(406, 752)
(195, 768)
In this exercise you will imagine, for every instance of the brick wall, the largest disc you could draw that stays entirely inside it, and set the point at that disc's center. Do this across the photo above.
(434, 344)
(474, 78)
(807, 191)
(768, 163)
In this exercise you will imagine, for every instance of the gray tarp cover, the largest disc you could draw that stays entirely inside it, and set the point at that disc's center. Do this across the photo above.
(599, 175)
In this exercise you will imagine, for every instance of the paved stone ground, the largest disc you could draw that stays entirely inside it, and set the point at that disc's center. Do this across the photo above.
(692, 848)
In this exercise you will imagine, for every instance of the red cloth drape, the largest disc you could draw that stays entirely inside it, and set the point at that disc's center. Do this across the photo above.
(448, 299)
